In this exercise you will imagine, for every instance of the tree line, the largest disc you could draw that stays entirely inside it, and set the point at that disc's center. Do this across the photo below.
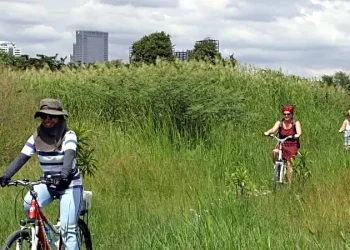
(159, 44)
(146, 50)
(338, 79)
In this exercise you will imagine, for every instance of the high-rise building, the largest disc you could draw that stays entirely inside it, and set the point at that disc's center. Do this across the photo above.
(216, 42)
(182, 55)
(10, 48)
(90, 46)
(130, 54)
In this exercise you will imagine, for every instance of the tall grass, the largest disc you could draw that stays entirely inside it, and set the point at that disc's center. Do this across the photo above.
(165, 136)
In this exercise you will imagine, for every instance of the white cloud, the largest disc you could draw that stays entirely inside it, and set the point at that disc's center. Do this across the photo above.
(22, 13)
(142, 3)
(301, 36)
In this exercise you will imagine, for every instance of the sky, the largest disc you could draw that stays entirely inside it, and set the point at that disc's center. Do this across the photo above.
(302, 37)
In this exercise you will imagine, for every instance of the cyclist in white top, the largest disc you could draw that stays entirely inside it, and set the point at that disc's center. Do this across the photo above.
(55, 145)
(346, 129)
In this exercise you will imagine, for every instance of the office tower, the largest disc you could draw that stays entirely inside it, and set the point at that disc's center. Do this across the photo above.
(90, 46)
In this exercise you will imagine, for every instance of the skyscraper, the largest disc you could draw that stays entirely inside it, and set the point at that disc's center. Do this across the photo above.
(90, 46)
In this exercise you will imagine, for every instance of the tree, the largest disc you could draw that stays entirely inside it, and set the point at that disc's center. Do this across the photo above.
(341, 79)
(149, 47)
(327, 79)
(205, 50)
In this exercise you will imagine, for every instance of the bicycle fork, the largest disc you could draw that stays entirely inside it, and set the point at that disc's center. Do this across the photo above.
(280, 171)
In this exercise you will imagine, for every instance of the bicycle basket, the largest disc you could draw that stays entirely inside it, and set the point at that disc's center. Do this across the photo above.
(87, 197)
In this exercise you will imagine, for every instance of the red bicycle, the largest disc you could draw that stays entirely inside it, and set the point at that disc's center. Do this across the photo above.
(37, 232)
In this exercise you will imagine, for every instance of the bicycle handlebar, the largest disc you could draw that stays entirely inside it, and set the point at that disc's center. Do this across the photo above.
(278, 139)
(26, 183)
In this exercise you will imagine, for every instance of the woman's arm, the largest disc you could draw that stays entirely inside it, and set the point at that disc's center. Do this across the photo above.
(274, 128)
(70, 149)
(16, 165)
(298, 128)
(27, 151)
(343, 126)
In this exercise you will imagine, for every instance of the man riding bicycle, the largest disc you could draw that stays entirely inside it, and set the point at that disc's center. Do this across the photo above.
(286, 127)
(55, 146)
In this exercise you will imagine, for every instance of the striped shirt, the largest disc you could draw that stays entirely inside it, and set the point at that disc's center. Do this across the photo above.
(52, 162)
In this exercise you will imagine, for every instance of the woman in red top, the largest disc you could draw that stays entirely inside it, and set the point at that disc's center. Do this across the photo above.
(287, 126)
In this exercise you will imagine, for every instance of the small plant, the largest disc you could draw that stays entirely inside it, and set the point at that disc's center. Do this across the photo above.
(301, 171)
(86, 162)
(240, 181)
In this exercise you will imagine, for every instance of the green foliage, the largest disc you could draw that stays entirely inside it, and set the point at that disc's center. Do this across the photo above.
(150, 47)
(205, 51)
(239, 181)
(194, 106)
(25, 62)
(338, 79)
(301, 170)
(176, 197)
(328, 80)
(172, 96)
(11, 60)
(86, 160)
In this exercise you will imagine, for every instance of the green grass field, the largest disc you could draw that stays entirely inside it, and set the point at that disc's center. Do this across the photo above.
(158, 187)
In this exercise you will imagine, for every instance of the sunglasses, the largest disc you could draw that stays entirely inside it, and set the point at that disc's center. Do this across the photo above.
(47, 116)
(287, 114)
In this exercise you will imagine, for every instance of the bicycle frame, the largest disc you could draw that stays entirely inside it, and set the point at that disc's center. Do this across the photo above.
(280, 161)
(38, 231)
(37, 219)
(346, 139)
(37, 228)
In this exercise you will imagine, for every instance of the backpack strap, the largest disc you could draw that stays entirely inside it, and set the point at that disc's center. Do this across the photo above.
(280, 126)
(294, 126)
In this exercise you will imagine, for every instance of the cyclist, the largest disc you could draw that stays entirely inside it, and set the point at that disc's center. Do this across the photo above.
(55, 146)
(346, 128)
(285, 127)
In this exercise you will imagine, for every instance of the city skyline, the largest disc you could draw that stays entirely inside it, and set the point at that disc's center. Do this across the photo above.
(307, 38)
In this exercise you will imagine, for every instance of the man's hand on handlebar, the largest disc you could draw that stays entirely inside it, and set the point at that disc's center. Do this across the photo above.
(4, 180)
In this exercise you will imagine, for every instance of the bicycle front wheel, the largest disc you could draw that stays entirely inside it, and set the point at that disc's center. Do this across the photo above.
(276, 175)
(19, 240)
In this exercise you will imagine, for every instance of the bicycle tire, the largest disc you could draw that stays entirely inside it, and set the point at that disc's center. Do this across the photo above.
(12, 239)
(85, 241)
(86, 233)
(275, 176)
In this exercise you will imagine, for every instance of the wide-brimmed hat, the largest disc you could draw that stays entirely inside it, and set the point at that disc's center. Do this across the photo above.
(50, 106)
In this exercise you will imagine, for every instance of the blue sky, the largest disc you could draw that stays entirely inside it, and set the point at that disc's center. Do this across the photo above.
(307, 38)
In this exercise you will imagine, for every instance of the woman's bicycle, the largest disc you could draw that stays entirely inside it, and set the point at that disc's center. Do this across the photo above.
(346, 139)
(37, 232)
(280, 165)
